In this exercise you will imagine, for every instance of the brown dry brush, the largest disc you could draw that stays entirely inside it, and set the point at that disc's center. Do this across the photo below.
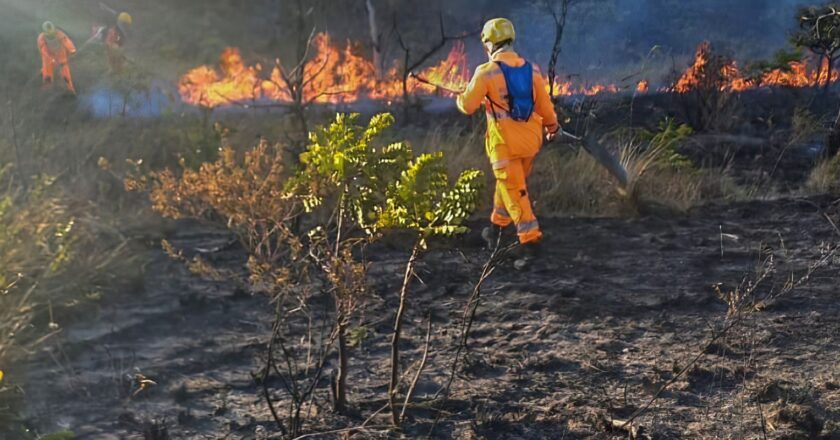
(251, 197)
(248, 196)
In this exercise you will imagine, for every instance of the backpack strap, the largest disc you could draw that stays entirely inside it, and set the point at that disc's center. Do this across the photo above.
(494, 104)
(508, 97)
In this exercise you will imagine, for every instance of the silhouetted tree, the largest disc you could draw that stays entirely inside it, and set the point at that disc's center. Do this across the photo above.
(819, 32)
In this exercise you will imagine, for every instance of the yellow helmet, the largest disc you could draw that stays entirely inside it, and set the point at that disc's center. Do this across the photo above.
(124, 18)
(498, 30)
(49, 28)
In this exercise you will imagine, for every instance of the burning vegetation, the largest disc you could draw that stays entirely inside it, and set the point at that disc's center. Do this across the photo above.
(341, 75)
(728, 76)
(336, 75)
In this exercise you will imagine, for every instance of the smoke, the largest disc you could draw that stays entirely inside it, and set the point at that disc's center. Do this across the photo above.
(605, 39)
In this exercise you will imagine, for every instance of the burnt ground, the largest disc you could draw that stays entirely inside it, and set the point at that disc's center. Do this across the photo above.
(588, 334)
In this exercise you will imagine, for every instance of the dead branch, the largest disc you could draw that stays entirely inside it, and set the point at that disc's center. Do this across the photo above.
(495, 258)
(393, 387)
(409, 63)
(420, 368)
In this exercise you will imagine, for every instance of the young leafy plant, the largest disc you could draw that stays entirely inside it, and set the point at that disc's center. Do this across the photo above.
(423, 202)
(341, 177)
(347, 192)
(376, 189)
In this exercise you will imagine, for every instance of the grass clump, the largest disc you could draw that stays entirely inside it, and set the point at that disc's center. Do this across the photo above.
(825, 177)
(567, 181)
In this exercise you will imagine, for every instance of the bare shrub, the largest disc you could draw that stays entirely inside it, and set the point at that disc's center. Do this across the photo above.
(707, 93)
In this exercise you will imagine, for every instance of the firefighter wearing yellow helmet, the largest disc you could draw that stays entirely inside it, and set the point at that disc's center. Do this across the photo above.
(498, 30)
(124, 18)
(115, 38)
(520, 116)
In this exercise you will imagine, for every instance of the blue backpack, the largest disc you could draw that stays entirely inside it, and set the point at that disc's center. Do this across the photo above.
(520, 85)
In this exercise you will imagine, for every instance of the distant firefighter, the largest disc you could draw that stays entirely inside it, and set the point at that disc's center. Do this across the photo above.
(56, 49)
(114, 41)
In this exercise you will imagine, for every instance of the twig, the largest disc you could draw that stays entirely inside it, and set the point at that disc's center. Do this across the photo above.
(433, 84)
(375, 413)
(393, 387)
(266, 373)
(471, 308)
(340, 431)
(834, 225)
(738, 317)
(18, 159)
(469, 317)
(419, 369)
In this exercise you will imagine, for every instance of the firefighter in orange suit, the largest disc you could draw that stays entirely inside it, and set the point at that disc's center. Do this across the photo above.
(515, 132)
(56, 49)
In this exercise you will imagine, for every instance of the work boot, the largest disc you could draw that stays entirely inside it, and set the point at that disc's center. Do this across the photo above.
(491, 235)
(526, 255)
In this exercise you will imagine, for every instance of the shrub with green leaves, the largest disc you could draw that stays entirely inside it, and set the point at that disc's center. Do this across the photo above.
(376, 189)
(384, 188)
(348, 190)
(423, 201)
(664, 143)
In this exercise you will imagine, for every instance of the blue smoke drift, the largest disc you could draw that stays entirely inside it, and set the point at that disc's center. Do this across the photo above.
(105, 102)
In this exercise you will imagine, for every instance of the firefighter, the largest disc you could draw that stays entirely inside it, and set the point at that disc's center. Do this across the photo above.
(520, 115)
(56, 49)
(114, 40)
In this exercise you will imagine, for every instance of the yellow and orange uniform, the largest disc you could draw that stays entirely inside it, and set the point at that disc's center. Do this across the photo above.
(510, 145)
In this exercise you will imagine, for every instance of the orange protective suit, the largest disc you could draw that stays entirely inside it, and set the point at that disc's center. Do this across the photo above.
(510, 145)
(56, 50)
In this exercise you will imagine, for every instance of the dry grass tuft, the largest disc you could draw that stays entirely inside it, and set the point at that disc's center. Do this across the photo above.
(55, 256)
(569, 182)
(825, 177)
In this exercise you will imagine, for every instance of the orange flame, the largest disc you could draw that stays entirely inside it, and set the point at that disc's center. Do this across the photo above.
(799, 75)
(568, 88)
(643, 86)
(332, 75)
(204, 86)
(730, 78)
(335, 76)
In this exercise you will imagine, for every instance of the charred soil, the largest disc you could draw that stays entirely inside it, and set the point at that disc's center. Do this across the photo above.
(584, 336)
